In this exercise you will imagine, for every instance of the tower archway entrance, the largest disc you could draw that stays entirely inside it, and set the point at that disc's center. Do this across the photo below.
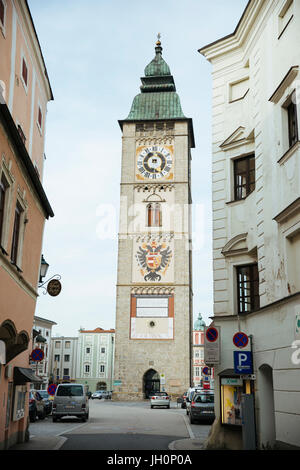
(151, 382)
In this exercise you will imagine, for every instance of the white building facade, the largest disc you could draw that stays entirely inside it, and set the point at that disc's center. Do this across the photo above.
(42, 329)
(63, 360)
(95, 359)
(256, 220)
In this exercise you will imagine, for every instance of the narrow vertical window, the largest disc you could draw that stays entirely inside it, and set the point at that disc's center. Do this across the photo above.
(154, 215)
(292, 121)
(16, 234)
(248, 288)
(3, 188)
(2, 13)
(24, 71)
(40, 117)
(244, 176)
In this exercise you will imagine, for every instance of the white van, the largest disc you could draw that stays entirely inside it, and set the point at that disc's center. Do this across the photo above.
(70, 400)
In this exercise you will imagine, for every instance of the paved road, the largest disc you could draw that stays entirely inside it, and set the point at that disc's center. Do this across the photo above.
(115, 426)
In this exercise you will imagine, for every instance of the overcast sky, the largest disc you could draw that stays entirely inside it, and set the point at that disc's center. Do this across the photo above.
(95, 52)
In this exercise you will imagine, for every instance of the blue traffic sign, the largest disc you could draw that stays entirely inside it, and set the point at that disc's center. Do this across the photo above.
(37, 355)
(52, 389)
(243, 362)
(240, 339)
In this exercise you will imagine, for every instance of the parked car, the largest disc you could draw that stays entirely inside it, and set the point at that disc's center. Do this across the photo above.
(37, 406)
(190, 393)
(46, 399)
(202, 406)
(183, 403)
(70, 400)
(160, 399)
(98, 394)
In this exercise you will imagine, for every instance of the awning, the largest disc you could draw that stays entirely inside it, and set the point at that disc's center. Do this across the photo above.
(23, 375)
(228, 373)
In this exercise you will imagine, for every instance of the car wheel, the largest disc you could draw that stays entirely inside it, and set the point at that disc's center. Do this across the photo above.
(43, 415)
(192, 421)
(54, 420)
(168, 406)
(83, 418)
(33, 417)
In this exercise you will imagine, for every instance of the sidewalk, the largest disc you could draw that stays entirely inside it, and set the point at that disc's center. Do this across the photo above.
(41, 443)
(187, 444)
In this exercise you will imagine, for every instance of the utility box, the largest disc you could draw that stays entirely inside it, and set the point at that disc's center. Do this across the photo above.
(248, 422)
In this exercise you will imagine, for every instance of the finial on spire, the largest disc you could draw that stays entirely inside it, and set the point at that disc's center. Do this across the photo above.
(158, 43)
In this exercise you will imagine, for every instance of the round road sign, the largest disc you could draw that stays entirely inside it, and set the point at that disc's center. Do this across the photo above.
(212, 334)
(37, 355)
(205, 371)
(52, 389)
(240, 339)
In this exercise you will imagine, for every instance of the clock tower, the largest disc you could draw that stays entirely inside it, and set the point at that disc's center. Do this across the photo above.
(154, 284)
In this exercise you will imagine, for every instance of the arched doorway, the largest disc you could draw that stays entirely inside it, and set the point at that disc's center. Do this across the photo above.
(101, 386)
(266, 407)
(151, 382)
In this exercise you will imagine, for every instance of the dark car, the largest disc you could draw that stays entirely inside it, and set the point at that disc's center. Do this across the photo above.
(202, 407)
(183, 403)
(46, 399)
(37, 406)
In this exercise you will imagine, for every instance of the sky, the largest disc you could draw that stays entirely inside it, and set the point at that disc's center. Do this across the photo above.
(95, 53)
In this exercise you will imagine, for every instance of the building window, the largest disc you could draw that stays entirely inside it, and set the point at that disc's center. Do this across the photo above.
(67, 344)
(16, 234)
(2, 14)
(88, 350)
(197, 372)
(57, 344)
(24, 72)
(22, 135)
(56, 357)
(292, 121)
(66, 372)
(154, 215)
(3, 189)
(248, 288)
(102, 350)
(67, 358)
(40, 118)
(102, 368)
(244, 176)
(87, 368)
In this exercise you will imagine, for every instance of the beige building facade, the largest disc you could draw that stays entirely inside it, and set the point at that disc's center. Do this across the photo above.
(24, 93)
(154, 286)
(256, 222)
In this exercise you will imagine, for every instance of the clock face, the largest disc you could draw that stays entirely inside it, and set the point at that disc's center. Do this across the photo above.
(154, 162)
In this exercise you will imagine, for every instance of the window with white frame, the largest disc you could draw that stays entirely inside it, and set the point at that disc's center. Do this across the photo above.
(2, 15)
(102, 368)
(87, 368)
(24, 72)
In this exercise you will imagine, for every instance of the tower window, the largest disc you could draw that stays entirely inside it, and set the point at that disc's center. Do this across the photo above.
(2, 13)
(154, 215)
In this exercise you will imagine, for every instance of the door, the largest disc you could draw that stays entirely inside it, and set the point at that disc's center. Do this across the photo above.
(151, 382)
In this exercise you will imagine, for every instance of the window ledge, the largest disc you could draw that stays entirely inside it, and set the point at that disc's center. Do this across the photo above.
(287, 155)
(239, 200)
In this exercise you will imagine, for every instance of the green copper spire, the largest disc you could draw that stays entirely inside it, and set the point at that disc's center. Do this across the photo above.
(199, 324)
(158, 98)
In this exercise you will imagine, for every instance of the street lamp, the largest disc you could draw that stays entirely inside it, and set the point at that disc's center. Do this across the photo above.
(53, 284)
(44, 268)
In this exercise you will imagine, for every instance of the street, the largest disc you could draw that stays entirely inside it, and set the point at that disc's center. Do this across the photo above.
(115, 426)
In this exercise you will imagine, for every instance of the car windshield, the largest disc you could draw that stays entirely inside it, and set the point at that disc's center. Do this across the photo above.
(204, 398)
(70, 391)
(43, 393)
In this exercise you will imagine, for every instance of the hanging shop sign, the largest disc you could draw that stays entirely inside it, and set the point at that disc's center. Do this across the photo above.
(54, 287)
